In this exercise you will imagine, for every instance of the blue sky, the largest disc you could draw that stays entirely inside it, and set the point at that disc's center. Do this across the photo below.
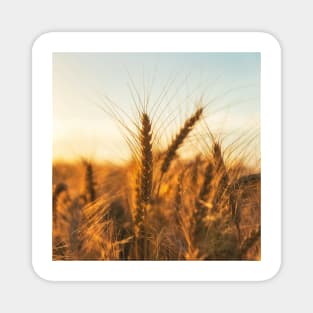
(229, 83)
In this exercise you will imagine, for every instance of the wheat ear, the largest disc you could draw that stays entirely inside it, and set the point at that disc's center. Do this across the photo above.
(201, 209)
(220, 174)
(59, 188)
(179, 138)
(144, 184)
(178, 141)
(89, 181)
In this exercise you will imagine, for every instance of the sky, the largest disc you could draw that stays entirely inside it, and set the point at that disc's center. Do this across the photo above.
(87, 85)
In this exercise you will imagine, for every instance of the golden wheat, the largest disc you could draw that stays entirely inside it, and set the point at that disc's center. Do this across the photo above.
(208, 209)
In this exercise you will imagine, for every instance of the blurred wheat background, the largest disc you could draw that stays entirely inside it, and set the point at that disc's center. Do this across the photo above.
(169, 170)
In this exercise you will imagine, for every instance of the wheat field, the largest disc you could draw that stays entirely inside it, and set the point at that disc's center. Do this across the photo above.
(158, 205)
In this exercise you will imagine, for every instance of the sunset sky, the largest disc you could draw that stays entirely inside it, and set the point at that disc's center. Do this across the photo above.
(229, 83)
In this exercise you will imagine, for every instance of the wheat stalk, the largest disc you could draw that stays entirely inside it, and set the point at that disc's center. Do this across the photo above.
(179, 197)
(194, 172)
(59, 188)
(177, 141)
(89, 181)
(201, 210)
(221, 175)
(206, 185)
(143, 184)
(179, 138)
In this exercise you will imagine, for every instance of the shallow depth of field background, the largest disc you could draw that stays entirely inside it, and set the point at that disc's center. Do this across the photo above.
(156, 156)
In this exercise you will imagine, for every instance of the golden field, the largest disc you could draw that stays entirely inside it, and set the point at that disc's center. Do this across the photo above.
(159, 205)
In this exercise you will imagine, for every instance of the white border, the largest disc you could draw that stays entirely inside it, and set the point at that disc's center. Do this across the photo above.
(270, 51)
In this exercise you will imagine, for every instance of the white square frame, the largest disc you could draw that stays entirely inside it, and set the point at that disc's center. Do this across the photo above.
(42, 51)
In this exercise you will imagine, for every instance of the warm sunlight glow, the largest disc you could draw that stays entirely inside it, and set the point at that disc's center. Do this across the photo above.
(156, 156)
